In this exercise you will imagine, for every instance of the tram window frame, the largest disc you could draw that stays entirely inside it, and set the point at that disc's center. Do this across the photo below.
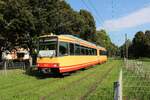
(87, 51)
(94, 52)
(83, 50)
(46, 40)
(67, 49)
(77, 49)
(71, 49)
(91, 51)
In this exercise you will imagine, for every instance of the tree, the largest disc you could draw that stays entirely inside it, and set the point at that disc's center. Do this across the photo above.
(18, 20)
(102, 38)
(55, 16)
(139, 47)
(89, 26)
(2, 20)
(25, 19)
(147, 43)
(126, 46)
(139, 44)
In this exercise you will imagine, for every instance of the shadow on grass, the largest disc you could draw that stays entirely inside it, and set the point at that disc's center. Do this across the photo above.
(39, 75)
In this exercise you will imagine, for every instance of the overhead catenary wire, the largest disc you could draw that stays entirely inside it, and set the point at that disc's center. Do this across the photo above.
(96, 11)
(113, 2)
(90, 7)
(90, 10)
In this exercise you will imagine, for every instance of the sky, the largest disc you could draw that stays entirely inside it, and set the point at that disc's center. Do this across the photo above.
(117, 17)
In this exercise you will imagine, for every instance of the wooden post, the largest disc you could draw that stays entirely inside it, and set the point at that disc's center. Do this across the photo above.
(116, 88)
(5, 67)
(120, 86)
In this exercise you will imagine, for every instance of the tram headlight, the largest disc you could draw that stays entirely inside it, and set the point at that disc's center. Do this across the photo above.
(38, 65)
(56, 65)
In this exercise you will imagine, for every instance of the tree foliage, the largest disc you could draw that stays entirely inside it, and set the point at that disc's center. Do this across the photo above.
(89, 25)
(23, 19)
(139, 47)
(16, 20)
(147, 43)
(123, 48)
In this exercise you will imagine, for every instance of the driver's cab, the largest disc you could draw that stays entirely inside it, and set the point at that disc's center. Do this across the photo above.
(48, 47)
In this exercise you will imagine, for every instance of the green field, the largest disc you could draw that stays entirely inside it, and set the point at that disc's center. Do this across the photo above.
(92, 84)
(136, 80)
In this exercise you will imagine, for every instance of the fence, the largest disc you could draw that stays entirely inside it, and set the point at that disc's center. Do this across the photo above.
(5, 65)
(136, 80)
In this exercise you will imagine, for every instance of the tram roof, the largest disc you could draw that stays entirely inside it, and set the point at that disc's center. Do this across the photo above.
(81, 40)
(75, 38)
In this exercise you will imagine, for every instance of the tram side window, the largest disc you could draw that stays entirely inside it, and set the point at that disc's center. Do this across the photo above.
(63, 48)
(71, 46)
(87, 51)
(77, 49)
(83, 50)
(90, 51)
(103, 52)
(94, 52)
(106, 53)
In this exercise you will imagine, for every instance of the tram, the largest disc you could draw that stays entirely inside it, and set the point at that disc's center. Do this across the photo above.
(66, 53)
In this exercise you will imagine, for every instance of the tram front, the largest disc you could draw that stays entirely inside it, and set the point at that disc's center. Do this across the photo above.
(47, 54)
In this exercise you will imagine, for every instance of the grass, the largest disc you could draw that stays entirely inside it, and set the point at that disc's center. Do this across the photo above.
(137, 86)
(82, 85)
(146, 64)
(105, 90)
